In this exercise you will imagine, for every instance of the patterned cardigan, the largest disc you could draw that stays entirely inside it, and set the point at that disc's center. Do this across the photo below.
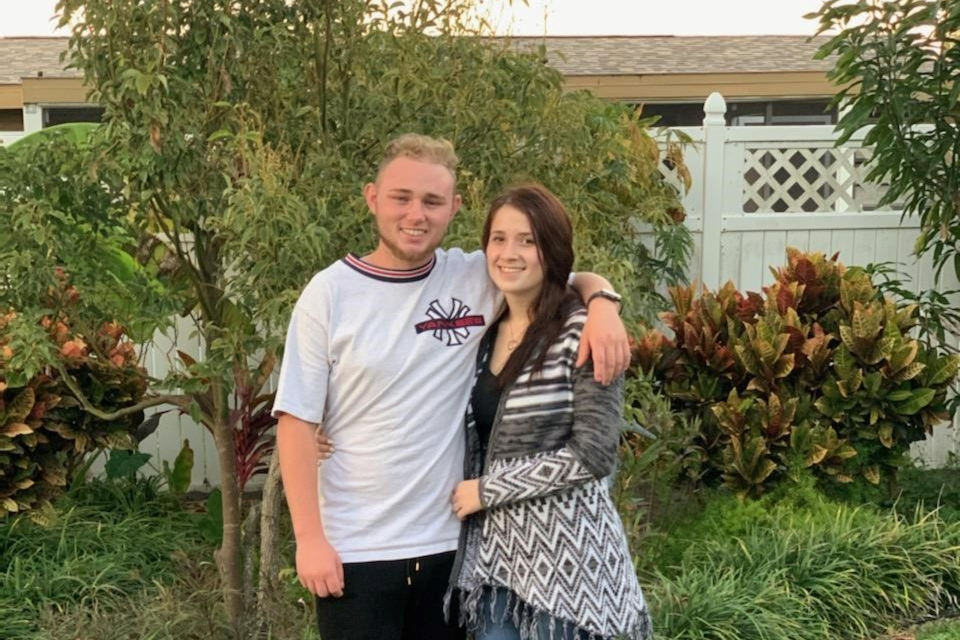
(549, 539)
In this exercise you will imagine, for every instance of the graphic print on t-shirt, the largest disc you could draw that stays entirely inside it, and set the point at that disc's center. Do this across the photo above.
(449, 323)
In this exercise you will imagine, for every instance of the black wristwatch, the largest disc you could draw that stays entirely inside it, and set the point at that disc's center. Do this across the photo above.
(609, 294)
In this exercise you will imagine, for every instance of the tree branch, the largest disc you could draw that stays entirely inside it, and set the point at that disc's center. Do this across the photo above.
(180, 401)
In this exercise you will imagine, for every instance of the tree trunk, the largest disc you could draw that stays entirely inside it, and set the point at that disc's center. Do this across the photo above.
(251, 530)
(229, 555)
(270, 507)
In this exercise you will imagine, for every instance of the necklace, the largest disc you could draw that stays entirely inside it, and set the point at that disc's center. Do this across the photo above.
(513, 343)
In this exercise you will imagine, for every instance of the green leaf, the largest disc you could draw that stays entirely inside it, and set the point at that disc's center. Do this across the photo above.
(210, 524)
(885, 434)
(123, 464)
(179, 479)
(919, 398)
(76, 132)
(944, 369)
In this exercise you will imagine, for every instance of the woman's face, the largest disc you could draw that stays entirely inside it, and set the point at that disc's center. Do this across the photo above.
(513, 258)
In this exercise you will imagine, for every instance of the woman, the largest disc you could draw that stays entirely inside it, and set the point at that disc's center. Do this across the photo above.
(543, 553)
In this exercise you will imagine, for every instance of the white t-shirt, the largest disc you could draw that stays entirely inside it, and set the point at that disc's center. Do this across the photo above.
(385, 360)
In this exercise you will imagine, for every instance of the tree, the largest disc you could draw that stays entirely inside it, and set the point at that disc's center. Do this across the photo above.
(898, 64)
(237, 135)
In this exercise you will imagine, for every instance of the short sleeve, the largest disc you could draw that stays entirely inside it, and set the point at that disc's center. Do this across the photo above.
(305, 370)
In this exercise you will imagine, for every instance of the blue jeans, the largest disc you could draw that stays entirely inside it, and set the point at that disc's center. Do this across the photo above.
(490, 629)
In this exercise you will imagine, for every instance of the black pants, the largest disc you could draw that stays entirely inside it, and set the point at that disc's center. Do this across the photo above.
(391, 600)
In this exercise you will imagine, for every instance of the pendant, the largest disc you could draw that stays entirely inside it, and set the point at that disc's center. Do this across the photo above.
(512, 344)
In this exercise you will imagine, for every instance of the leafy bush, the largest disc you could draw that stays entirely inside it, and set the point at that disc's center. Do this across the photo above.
(44, 428)
(796, 565)
(819, 372)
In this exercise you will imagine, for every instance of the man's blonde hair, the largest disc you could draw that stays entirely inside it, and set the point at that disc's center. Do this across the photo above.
(423, 148)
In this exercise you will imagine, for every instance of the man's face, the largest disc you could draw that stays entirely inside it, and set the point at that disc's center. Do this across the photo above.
(413, 202)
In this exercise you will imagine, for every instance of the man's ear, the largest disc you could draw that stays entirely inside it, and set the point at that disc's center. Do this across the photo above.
(457, 202)
(370, 195)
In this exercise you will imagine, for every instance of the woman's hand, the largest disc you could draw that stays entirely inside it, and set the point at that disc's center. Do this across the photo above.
(465, 499)
(323, 444)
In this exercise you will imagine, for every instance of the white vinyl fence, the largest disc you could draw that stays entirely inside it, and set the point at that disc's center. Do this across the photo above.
(9, 137)
(756, 191)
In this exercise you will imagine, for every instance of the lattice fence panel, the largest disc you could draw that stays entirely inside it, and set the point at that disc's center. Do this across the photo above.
(807, 180)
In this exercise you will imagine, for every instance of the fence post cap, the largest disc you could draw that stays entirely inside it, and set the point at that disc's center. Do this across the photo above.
(714, 109)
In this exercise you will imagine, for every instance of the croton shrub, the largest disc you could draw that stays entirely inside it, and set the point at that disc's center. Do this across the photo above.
(44, 429)
(818, 372)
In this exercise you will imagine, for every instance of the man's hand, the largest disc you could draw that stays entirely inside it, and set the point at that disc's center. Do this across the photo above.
(319, 568)
(465, 499)
(605, 338)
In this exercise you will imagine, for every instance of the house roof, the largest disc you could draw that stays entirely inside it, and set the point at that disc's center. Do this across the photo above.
(32, 58)
(670, 55)
(571, 55)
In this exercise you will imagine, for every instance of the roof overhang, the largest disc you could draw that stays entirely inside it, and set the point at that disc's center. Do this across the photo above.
(11, 96)
(692, 87)
(54, 91)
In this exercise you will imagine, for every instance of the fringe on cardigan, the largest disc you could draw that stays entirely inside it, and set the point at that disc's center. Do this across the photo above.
(529, 620)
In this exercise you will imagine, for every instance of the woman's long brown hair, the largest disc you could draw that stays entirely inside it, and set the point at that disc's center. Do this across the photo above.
(553, 235)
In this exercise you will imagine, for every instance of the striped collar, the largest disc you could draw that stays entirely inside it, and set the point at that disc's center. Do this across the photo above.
(354, 261)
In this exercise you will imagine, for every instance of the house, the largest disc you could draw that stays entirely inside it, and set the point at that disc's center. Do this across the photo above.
(766, 80)
(35, 89)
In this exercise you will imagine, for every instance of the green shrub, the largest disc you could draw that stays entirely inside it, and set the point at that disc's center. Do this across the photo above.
(44, 429)
(820, 372)
(805, 566)
(918, 489)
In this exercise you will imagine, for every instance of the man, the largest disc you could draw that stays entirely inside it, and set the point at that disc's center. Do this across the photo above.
(381, 350)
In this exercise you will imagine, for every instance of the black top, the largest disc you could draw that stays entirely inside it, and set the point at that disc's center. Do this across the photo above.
(486, 395)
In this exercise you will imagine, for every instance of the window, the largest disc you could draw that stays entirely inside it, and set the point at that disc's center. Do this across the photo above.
(745, 113)
(11, 119)
(61, 115)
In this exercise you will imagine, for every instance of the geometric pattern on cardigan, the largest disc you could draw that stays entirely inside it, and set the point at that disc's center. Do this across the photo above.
(563, 553)
(549, 543)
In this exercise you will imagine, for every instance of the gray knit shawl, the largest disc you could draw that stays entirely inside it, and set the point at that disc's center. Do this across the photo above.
(549, 540)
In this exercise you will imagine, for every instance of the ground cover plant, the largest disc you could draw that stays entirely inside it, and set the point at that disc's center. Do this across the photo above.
(796, 565)
(112, 544)
(792, 564)
(944, 630)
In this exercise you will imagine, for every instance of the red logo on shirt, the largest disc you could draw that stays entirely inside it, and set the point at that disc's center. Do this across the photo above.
(451, 324)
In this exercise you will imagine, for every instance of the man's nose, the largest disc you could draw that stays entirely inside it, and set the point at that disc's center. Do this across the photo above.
(416, 210)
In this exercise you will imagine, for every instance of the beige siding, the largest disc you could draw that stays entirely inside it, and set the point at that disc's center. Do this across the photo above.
(697, 86)
(54, 91)
(11, 96)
